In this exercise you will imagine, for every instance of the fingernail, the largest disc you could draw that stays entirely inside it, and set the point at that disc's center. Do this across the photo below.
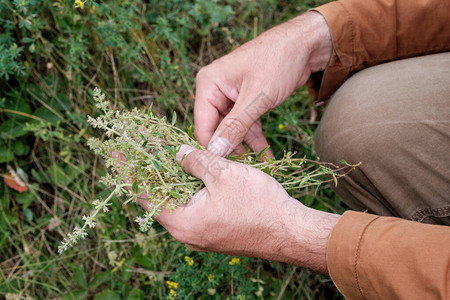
(220, 146)
(184, 151)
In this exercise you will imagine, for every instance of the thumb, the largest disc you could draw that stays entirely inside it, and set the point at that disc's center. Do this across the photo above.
(202, 164)
(235, 126)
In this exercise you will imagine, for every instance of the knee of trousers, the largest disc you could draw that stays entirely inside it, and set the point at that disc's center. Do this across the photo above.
(396, 122)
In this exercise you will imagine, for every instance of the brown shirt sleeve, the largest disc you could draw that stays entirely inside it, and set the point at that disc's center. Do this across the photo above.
(373, 257)
(370, 32)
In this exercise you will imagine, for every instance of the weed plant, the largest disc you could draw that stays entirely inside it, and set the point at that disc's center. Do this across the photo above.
(150, 172)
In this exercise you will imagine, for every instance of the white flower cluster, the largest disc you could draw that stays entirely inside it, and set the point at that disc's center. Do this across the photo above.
(145, 222)
(72, 238)
(103, 205)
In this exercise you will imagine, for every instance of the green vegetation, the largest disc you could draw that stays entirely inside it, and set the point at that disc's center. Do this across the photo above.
(52, 55)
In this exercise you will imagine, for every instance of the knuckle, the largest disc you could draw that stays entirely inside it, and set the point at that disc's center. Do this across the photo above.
(202, 73)
(235, 128)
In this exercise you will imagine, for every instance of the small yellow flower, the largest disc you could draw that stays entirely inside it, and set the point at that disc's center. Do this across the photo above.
(280, 126)
(172, 284)
(173, 293)
(189, 260)
(211, 277)
(79, 3)
(234, 261)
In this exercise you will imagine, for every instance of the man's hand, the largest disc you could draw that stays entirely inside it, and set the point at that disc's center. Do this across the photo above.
(235, 90)
(243, 211)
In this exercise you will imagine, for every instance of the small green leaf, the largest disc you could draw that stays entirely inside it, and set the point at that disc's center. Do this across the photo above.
(20, 148)
(98, 279)
(157, 166)
(80, 277)
(28, 214)
(145, 262)
(24, 198)
(175, 195)
(334, 179)
(261, 153)
(135, 187)
(58, 176)
(136, 294)
(174, 118)
(144, 139)
(190, 133)
(126, 272)
(149, 111)
(6, 155)
(12, 129)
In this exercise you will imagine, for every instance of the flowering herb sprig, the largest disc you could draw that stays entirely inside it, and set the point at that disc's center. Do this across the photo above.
(148, 169)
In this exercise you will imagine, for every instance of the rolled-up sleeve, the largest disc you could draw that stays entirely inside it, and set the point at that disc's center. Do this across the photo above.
(370, 32)
(373, 257)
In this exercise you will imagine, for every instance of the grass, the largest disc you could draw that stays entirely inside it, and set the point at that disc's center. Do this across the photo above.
(143, 53)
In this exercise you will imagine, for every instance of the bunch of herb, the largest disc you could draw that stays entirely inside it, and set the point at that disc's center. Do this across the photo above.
(150, 171)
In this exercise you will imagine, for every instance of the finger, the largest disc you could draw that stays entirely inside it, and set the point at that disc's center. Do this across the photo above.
(210, 102)
(183, 221)
(256, 140)
(235, 126)
(239, 148)
(202, 164)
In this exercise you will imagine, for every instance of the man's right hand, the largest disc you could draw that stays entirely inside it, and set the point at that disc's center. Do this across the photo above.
(235, 90)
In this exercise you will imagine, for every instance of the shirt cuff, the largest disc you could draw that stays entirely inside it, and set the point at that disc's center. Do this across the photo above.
(343, 252)
(322, 85)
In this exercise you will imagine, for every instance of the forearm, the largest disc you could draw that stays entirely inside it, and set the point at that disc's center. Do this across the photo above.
(307, 233)
(295, 234)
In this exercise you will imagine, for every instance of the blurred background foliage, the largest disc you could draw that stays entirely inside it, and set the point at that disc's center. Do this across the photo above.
(52, 55)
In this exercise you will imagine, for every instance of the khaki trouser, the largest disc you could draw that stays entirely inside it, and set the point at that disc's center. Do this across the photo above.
(394, 118)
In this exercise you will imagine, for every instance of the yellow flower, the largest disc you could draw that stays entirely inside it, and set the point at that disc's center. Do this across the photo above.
(281, 126)
(211, 277)
(234, 261)
(172, 284)
(189, 260)
(79, 3)
(173, 293)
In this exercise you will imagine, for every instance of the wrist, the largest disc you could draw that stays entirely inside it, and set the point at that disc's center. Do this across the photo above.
(315, 34)
(307, 233)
